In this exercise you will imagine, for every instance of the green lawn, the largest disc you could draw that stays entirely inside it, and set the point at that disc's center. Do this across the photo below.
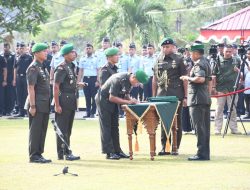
(229, 167)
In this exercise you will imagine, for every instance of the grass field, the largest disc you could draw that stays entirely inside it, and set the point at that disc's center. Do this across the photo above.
(229, 167)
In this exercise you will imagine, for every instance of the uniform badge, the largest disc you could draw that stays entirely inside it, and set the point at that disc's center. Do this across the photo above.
(174, 64)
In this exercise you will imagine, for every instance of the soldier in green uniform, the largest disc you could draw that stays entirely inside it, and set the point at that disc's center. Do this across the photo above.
(38, 103)
(115, 91)
(199, 101)
(166, 81)
(109, 68)
(64, 90)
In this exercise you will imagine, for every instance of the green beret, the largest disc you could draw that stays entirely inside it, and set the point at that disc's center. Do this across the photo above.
(197, 46)
(167, 41)
(67, 48)
(111, 51)
(39, 47)
(141, 76)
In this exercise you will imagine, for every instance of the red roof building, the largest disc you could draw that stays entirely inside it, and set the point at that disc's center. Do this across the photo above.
(231, 27)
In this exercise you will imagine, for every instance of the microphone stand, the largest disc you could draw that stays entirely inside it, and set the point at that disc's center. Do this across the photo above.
(64, 146)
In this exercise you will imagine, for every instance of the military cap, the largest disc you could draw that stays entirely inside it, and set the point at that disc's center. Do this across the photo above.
(141, 76)
(229, 46)
(22, 44)
(221, 45)
(117, 44)
(150, 45)
(167, 41)
(89, 45)
(6, 44)
(53, 43)
(187, 47)
(132, 45)
(144, 47)
(111, 51)
(67, 48)
(235, 46)
(17, 44)
(62, 42)
(197, 47)
(39, 47)
(32, 43)
(106, 39)
(198, 42)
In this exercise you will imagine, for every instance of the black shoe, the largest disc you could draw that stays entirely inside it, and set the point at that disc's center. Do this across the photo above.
(39, 159)
(122, 155)
(112, 156)
(175, 153)
(86, 116)
(92, 116)
(71, 157)
(46, 160)
(19, 115)
(163, 152)
(197, 158)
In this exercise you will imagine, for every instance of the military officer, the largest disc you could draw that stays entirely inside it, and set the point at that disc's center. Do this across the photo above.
(100, 54)
(147, 64)
(110, 68)
(123, 62)
(38, 103)
(19, 80)
(167, 70)
(56, 60)
(186, 125)
(3, 82)
(88, 69)
(123, 65)
(199, 101)
(65, 91)
(9, 91)
(134, 65)
(115, 91)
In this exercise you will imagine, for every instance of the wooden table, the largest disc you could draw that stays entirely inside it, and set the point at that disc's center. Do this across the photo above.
(150, 119)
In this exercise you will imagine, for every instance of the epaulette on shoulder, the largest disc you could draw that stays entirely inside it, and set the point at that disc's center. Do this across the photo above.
(32, 67)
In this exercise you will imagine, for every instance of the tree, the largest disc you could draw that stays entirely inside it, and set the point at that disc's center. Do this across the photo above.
(22, 16)
(134, 16)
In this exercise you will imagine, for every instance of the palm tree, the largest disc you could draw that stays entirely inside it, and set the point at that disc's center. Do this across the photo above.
(133, 16)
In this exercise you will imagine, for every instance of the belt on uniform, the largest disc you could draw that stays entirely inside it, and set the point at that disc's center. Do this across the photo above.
(21, 75)
(88, 77)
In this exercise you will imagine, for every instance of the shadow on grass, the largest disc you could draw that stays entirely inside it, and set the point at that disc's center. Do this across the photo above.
(141, 161)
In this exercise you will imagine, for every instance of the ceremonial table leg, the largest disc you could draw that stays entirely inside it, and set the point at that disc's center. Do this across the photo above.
(151, 121)
(130, 120)
(174, 136)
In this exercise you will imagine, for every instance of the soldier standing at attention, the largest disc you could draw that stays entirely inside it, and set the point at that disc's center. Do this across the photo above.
(9, 91)
(110, 68)
(115, 91)
(199, 101)
(147, 64)
(88, 69)
(123, 61)
(166, 82)
(19, 80)
(100, 54)
(65, 91)
(134, 65)
(3, 82)
(38, 103)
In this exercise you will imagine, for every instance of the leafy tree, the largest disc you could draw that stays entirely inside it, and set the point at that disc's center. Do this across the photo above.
(133, 16)
(22, 16)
